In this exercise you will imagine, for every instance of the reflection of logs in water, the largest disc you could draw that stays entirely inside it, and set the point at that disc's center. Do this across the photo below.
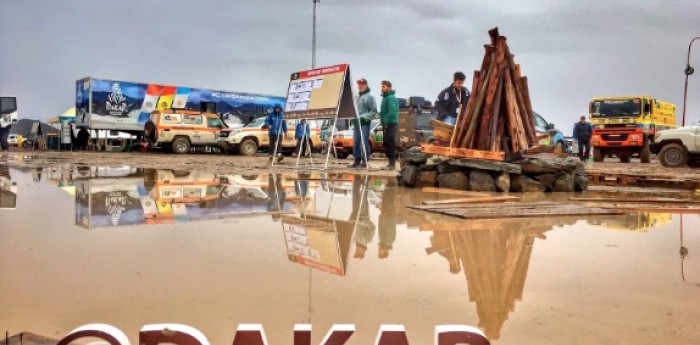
(495, 264)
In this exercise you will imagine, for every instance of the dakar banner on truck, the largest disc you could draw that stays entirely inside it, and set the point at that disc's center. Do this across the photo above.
(123, 105)
(321, 93)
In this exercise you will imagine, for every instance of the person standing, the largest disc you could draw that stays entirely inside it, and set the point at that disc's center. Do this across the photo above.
(452, 100)
(276, 129)
(367, 110)
(583, 133)
(302, 133)
(389, 115)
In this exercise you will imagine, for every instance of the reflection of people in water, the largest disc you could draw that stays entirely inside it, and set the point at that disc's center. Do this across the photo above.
(387, 223)
(365, 228)
(275, 193)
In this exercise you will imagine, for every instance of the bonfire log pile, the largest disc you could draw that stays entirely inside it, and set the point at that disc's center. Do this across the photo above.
(498, 116)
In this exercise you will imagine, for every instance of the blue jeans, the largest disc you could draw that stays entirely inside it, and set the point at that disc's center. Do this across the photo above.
(357, 149)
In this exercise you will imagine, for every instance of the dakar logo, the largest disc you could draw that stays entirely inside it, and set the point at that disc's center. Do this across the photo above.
(116, 102)
(253, 334)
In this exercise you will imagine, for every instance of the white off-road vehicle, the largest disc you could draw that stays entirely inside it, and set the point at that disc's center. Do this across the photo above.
(678, 147)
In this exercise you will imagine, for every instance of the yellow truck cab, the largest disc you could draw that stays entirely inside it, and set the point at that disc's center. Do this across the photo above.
(625, 126)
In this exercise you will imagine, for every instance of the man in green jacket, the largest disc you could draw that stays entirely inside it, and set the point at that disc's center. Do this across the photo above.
(389, 115)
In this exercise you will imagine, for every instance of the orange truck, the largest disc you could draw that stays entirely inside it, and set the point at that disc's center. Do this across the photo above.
(625, 127)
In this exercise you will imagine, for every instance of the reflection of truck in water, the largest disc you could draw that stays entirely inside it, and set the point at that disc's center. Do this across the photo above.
(8, 189)
(8, 117)
(641, 221)
(626, 126)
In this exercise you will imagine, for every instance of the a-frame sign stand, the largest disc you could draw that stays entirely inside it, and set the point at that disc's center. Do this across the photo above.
(322, 94)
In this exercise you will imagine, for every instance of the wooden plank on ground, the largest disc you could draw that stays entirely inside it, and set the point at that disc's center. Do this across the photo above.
(492, 199)
(487, 165)
(516, 210)
(454, 191)
(639, 200)
(652, 208)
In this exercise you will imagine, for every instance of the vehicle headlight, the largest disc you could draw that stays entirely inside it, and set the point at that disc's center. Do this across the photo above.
(636, 137)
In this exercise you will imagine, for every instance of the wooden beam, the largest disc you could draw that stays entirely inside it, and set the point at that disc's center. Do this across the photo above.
(454, 191)
(490, 199)
(639, 200)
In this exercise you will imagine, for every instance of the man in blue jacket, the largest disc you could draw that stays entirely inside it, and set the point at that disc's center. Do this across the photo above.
(452, 100)
(583, 133)
(302, 134)
(276, 129)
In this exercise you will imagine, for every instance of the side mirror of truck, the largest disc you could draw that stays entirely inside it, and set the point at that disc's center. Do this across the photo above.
(549, 126)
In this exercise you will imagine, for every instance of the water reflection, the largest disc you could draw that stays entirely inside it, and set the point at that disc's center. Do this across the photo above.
(639, 221)
(129, 196)
(8, 189)
(494, 256)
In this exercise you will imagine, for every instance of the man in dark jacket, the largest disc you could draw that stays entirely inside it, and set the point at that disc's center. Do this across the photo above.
(276, 128)
(583, 133)
(389, 116)
(452, 100)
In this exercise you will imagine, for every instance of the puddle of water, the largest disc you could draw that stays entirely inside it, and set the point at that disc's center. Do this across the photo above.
(130, 247)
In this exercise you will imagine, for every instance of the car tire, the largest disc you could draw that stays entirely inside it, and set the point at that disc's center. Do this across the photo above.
(181, 145)
(248, 147)
(645, 155)
(149, 131)
(341, 155)
(597, 154)
(673, 156)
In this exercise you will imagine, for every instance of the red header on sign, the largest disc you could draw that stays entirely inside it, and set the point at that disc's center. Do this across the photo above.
(323, 71)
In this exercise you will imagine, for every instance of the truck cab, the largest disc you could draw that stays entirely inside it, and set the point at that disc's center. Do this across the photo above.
(8, 117)
(625, 126)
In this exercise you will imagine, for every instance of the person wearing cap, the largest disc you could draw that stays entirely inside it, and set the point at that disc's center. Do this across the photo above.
(389, 115)
(276, 128)
(452, 100)
(367, 110)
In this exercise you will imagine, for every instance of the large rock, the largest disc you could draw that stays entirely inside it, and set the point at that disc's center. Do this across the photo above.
(564, 183)
(487, 165)
(416, 157)
(427, 179)
(409, 175)
(580, 183)
(448, 168)
(547, 180)
(503, 182)
(524, 184)
(537, 166)
(454, 180)
(480, 181)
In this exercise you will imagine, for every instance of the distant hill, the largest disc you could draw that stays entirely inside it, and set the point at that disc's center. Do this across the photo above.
(24, 126)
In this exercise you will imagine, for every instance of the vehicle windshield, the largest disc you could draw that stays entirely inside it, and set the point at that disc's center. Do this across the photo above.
(630, 107)
(256, 123)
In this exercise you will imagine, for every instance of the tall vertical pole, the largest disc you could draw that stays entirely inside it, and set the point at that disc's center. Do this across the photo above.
(688, 71)
(313, 41)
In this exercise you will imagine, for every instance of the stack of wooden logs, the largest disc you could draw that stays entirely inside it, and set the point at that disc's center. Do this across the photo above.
(499, 106)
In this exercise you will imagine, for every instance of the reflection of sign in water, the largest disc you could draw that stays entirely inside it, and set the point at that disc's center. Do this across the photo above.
(116, 203)
(313, 243)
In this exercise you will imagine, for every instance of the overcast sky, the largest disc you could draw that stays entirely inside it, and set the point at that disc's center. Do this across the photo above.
(570, 51)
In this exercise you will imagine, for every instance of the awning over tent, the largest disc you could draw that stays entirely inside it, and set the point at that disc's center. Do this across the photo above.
(68, 115)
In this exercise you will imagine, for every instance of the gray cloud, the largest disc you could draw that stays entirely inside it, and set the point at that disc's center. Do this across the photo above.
(570, 51)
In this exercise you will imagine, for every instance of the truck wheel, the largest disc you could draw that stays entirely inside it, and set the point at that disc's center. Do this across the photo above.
(149, 131)
(673, 156)
(597, 154)
(248, 147)
(181, 145)
(341, 155)
(645, 155)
